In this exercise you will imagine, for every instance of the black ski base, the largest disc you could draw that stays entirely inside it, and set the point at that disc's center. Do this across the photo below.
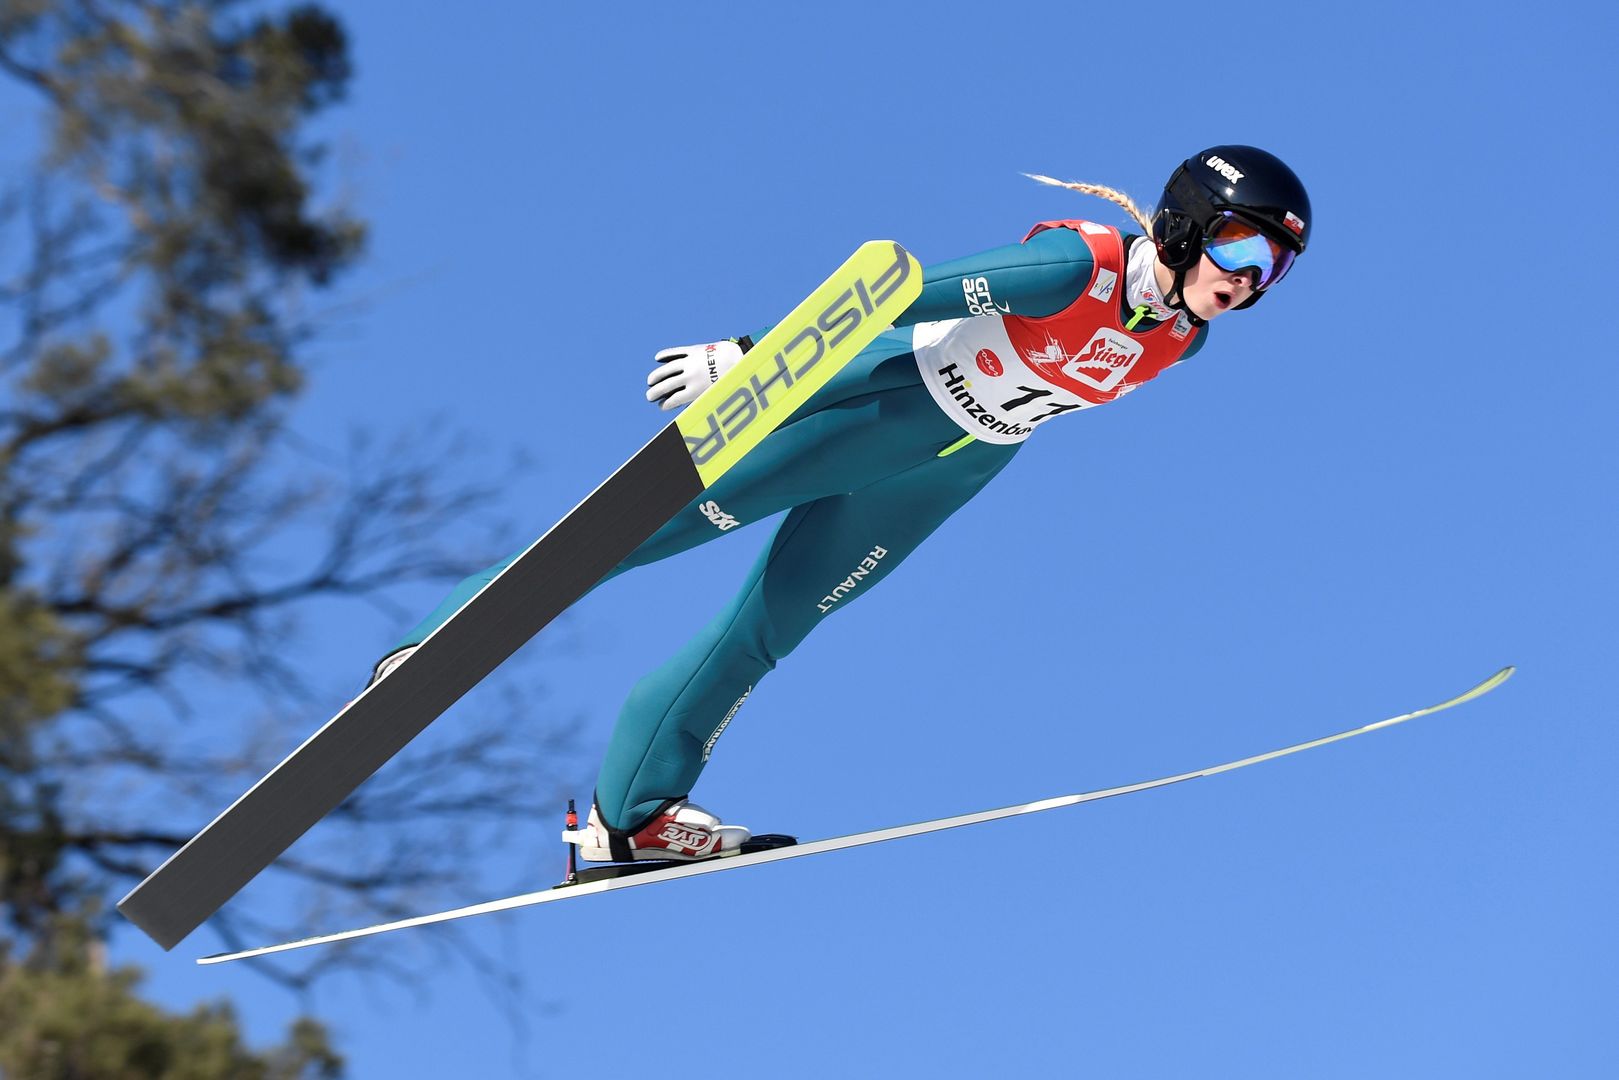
(605, 871)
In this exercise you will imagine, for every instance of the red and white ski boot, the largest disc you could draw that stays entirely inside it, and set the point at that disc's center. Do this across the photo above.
(680, 831)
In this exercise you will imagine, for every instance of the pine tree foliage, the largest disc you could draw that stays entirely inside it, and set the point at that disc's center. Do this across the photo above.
(72, 1019)
(161, 264)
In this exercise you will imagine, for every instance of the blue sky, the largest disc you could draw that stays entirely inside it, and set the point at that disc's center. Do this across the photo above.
(1390, 479)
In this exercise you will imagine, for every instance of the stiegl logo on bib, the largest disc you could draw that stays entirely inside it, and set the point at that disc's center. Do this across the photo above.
(1105, 360)
(1102, 364)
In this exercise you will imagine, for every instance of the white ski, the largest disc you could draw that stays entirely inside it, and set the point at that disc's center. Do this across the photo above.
(735, 862)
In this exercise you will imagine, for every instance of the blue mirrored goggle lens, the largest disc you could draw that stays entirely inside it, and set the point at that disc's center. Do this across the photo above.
(1233, 244)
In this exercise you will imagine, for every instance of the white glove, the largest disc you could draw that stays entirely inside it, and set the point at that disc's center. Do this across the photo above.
(686, 371)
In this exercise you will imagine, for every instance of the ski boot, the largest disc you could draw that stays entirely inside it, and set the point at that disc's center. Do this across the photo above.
(680, 831)
(679, 834)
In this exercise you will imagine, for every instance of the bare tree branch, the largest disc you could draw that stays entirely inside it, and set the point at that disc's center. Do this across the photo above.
(163, 533)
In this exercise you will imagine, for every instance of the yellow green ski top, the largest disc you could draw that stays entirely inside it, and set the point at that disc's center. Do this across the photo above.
(797, 357)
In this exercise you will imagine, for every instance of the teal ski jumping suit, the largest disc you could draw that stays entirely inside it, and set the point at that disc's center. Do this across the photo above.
(894, 444)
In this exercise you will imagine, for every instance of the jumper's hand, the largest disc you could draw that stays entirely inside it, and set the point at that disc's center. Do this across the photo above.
(686, 371)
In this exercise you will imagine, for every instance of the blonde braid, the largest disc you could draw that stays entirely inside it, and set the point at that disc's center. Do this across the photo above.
(1110, 194)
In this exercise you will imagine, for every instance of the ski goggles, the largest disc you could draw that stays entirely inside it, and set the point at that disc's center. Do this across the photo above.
(1234, 244)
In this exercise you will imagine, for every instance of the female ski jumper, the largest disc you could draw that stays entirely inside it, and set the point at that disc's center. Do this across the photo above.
(996, 345)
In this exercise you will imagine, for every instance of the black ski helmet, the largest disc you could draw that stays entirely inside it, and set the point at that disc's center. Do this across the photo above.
(1251, 184)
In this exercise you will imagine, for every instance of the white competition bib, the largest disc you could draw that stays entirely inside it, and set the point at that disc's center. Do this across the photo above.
(987, 387)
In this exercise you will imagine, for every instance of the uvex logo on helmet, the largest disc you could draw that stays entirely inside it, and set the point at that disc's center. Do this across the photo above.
(1223, 167)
